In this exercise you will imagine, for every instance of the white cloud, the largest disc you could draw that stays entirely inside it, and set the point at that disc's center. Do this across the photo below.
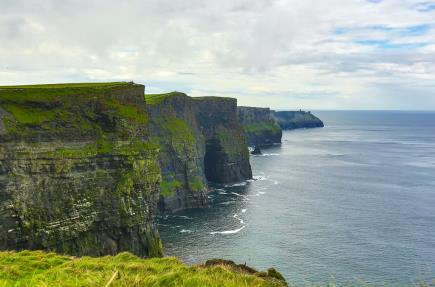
(279, 53)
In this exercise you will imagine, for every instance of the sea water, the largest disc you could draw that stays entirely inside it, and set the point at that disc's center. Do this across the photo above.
(351, 202)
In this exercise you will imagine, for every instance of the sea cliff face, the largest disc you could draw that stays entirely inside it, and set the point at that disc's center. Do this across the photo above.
(260, 127)
(78, 171)
(200, 140)
(289, 120)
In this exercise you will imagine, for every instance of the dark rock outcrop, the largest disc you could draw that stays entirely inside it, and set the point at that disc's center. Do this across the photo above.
(256, 151)
(78, 172)
(260, 126)
(289, 120)
(200, 140)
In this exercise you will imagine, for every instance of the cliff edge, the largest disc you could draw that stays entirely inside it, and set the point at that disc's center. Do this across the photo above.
(289, 120)
(78, 171)
(260, 127)
(200, 141)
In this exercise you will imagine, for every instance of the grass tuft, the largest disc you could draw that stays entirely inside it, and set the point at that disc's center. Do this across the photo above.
(37, 268)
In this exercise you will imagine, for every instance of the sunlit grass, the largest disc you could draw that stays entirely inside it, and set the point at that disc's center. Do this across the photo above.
(37, 268)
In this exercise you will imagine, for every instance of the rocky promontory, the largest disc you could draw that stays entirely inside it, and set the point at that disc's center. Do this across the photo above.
(289, 120)
(201, 141)
(260, 127)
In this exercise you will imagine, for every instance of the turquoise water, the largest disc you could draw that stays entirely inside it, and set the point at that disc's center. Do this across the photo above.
(354, 201)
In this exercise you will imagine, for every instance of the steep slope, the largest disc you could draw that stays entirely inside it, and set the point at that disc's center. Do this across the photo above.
(289, 120)
(260, 126)
(78, 173)
(201, 140)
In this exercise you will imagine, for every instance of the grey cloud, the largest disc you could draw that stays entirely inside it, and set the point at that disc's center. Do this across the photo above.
(229, 46)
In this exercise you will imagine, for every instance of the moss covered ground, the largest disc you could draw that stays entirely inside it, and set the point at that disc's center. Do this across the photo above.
(66, 85)
(153, 99)
(36, 268)
(79, 109)
(261, 127)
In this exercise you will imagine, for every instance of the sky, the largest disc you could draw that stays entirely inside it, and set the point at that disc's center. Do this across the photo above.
(283, 54)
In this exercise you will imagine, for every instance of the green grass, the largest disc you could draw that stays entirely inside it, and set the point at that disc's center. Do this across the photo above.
(37, 268)
(30, 115)
(168, 188)
(66, 85)
(55, 92)
(153, 99)
(68, 108)
(128, 111)
(261, 127)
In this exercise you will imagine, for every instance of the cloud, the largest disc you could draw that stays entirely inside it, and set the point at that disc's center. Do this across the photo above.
(279, 53)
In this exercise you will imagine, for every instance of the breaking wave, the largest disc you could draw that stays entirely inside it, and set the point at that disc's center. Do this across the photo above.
(228, 231)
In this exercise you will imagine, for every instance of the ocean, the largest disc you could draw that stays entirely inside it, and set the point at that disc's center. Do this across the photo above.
(349, 203)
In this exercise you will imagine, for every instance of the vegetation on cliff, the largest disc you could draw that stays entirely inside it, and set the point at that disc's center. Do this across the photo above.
(78, 170)
(289, 120)
(36, 268)
(260, 127)
(189, 131)
(69, 109)
(153, 99)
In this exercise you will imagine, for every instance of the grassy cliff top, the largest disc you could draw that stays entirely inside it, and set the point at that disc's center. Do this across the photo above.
(58, 110)
(153, 99)
(68, 85)
(51, 92)
(37, 268)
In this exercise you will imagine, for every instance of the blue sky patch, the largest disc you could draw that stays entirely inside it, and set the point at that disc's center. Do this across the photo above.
(387, 45)
(426, 6)
(416, 30)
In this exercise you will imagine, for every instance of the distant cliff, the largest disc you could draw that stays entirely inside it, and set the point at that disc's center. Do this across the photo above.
(260, 126)
(200, 140)
(289, 120)
(78, 171)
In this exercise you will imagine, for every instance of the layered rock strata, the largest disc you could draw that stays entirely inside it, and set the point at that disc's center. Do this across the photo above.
(78, 171)
(260, 127)
(201, 141)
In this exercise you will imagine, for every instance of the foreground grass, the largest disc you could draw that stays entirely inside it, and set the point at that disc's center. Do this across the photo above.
(37, 268)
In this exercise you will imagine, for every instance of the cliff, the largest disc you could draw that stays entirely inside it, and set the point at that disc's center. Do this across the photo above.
(48, 269)
(78, 172)
(289, 120)
(260, 127)
(200, 140)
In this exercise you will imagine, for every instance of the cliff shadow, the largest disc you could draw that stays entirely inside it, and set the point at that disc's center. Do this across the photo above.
(213, 161)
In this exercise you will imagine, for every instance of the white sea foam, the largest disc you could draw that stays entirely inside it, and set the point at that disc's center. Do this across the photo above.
(259, 177)
(186, 231)
(227, 203)
(237, 184)
(240, 195)
(239, 219)
(244, 210)
(268, 154)
(228, 231)
(183, 217)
